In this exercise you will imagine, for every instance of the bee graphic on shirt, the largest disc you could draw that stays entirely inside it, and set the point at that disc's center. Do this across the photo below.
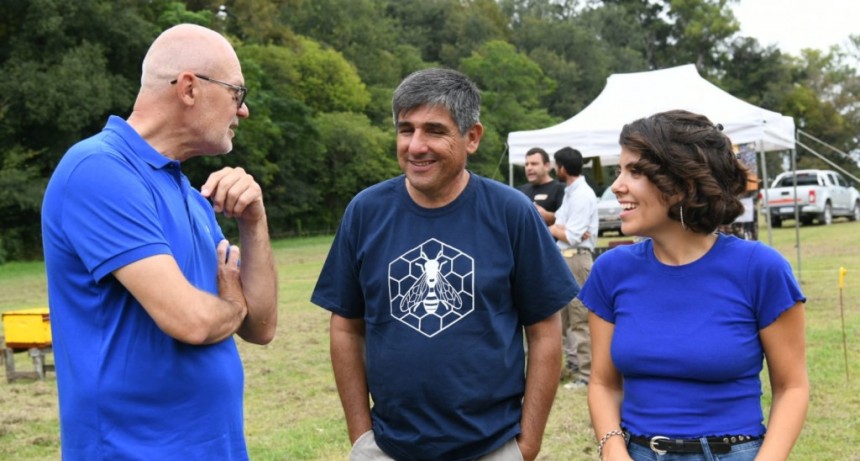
(431, 289)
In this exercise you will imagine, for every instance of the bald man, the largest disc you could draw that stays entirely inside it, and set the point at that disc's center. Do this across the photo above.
(145, 292)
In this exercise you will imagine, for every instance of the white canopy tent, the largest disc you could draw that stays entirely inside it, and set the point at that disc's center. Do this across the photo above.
(627, 97)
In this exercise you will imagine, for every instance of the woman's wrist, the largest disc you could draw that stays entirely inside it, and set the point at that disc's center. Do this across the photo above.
(604, 439)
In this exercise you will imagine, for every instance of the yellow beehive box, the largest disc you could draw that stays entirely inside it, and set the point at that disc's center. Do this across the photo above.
(26, 328)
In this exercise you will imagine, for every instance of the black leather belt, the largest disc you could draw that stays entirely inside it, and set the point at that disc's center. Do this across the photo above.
(662, 445)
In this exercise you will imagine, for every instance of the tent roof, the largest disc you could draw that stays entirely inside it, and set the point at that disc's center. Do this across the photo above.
(626, 97)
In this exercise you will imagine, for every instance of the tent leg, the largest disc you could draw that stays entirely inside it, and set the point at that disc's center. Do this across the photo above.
(765, 186)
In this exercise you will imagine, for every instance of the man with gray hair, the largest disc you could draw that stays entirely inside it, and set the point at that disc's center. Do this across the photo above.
(146, 294)
(430, 280)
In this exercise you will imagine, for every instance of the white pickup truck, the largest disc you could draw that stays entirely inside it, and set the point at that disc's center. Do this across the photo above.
(821, 195)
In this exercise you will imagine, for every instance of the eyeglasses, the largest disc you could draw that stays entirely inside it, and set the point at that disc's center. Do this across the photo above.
(241, 91)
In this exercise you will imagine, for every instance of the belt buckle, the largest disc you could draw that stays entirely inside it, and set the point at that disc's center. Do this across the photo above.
(652, 444)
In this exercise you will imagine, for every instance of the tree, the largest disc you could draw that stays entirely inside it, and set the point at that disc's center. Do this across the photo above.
(62, 75)
(640, 25)
(757, 75)
(512, 87)
(821, 107)
(468, 26)
(357, 155)
(328, 83)
(321, 74)
(700, 29)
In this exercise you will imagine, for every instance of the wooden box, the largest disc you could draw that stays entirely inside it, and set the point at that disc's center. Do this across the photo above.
(26, 328)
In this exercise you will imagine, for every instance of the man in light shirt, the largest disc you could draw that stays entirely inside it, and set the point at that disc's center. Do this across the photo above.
(575, 230)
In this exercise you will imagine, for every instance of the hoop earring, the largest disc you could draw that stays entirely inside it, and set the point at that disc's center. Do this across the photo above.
(681, 208)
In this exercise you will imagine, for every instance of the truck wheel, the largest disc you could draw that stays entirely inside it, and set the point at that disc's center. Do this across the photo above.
(826, 217)
(855, 214)
(775, 221)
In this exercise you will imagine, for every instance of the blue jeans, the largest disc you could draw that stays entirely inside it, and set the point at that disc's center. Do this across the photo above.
(740, 452)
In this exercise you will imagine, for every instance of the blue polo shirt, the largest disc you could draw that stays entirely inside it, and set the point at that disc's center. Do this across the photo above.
(126, 389)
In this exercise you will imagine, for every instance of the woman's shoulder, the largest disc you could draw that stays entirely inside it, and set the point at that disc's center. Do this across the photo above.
(625, 253)
(754, 248)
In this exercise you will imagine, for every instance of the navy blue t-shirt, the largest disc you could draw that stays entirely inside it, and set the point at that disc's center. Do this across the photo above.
(444, 294)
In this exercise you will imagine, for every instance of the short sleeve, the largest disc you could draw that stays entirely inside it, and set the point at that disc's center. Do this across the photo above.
(109, 215)
(596, 294)
(543, 283)
(776, 289)
(338, 287)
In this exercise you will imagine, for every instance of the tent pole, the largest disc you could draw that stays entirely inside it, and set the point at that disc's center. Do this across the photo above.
(765, 186)
(796, 215)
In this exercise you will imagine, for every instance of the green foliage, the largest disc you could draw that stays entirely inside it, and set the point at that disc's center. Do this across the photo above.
(22, 187)
(513, 87)
(173, 13)
(60, 75)
(260, 22)
(359, 29)
(756, 75)
(700, 25)
(422, 24)
(328, 82)
(357, 155)
(470, 26)
(280, 143)
(498, 68)
(322, 72)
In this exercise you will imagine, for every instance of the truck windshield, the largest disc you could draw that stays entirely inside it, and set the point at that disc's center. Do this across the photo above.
(802, 180)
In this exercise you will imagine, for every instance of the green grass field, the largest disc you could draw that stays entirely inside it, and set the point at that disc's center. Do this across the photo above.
(293, 412)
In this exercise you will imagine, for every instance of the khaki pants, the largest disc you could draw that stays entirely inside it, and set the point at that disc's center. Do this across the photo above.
(576, 339)
(366, 449)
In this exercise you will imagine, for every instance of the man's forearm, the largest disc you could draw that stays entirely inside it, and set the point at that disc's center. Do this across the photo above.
(559, 232)
(542, 377)
(348, 363)
(259, 282)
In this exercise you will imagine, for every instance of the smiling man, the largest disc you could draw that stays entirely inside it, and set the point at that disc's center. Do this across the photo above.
(430, 280)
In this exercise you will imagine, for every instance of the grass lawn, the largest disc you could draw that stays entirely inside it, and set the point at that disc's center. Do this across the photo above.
(293, 412)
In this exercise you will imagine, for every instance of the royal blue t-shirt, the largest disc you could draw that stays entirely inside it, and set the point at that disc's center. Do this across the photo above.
(686, 338)
(444, 294)
(127, 390)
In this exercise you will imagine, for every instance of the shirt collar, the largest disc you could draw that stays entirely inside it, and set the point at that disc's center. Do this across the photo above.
(137, 144)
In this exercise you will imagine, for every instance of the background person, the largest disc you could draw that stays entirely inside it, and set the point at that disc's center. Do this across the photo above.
(576, 229)
(430, 280)
(144, 291)
(682, 320)
(542, 188)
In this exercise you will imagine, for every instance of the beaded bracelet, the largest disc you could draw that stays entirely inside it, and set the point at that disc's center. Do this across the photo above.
(603, 442)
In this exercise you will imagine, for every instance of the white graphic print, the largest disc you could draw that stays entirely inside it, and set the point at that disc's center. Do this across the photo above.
(431, 287)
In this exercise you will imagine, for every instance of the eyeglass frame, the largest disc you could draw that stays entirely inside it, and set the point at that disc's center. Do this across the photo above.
(241, 91)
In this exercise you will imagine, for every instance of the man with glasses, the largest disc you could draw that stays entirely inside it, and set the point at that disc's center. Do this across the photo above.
(240, 91)
(144, 290)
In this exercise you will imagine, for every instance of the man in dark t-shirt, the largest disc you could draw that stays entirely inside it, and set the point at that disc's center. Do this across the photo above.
(542, 189)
